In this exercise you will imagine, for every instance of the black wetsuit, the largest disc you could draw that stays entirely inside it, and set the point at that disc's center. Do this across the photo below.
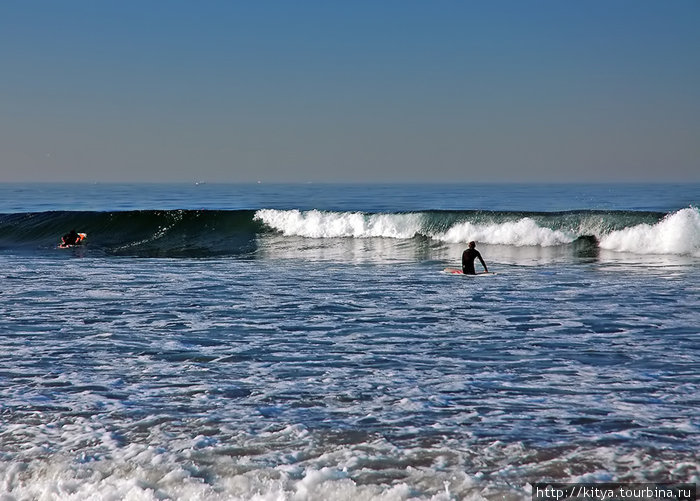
(468, 257)
(71, 238)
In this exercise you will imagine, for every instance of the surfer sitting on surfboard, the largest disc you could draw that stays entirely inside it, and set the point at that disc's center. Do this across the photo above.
(468, 257)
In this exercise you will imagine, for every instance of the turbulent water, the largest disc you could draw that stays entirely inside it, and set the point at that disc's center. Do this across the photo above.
(301, 343)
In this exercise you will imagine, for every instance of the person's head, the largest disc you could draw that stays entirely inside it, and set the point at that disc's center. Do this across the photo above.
(472, 244)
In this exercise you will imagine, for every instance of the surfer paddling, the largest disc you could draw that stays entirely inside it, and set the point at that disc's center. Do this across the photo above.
(72, 239)
(468, 257)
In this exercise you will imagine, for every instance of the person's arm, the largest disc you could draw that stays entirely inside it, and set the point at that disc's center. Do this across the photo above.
(486, 270)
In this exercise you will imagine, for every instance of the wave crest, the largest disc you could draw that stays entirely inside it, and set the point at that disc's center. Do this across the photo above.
(677, 233)
(524, 232)
(640, 233)
(320, 224)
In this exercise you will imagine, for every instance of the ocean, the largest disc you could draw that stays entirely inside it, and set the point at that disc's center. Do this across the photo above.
(301, 342)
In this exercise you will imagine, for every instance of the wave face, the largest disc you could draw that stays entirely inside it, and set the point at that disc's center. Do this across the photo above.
(147, 233)
(204, 233)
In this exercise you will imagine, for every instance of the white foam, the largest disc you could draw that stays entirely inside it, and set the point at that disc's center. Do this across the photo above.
(524, 232)
(321, 224)
(678, 233)
(140, 472)
(109, 481)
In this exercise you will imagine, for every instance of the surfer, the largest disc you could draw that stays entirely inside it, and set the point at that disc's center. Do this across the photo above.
(71, 238)
(468, 257)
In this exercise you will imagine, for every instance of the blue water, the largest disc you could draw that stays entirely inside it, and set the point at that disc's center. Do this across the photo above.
(345, 364)
(348, 197)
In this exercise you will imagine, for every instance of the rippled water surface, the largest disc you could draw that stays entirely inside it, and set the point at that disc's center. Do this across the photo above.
(344, 369)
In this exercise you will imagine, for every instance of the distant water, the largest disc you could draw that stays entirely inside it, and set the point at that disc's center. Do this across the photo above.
(268, 342)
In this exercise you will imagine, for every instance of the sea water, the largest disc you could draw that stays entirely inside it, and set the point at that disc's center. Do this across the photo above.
(300, 342)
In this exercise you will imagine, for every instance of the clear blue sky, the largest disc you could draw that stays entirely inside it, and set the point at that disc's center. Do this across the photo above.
(228, 91)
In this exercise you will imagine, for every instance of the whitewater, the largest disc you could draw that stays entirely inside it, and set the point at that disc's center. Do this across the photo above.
(300, 342)
(677, 233)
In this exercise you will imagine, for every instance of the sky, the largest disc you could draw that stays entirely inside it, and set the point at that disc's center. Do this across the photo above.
(350, 91)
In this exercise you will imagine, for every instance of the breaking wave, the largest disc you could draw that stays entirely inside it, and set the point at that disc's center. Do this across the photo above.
(676, 233)
(203, 233)
(623, 231)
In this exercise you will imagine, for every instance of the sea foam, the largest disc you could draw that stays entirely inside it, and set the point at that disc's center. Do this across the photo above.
(677, 233)
(524, 232)
(321, 224)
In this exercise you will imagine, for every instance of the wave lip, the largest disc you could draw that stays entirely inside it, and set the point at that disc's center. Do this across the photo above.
(677, 233)
(321, 224)
(524, 232)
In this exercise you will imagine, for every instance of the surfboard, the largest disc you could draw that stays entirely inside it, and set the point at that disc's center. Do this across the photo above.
(82, 237)
(457, 271)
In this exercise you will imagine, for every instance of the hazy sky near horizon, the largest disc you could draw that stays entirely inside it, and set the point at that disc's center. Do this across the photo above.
(359, 91)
